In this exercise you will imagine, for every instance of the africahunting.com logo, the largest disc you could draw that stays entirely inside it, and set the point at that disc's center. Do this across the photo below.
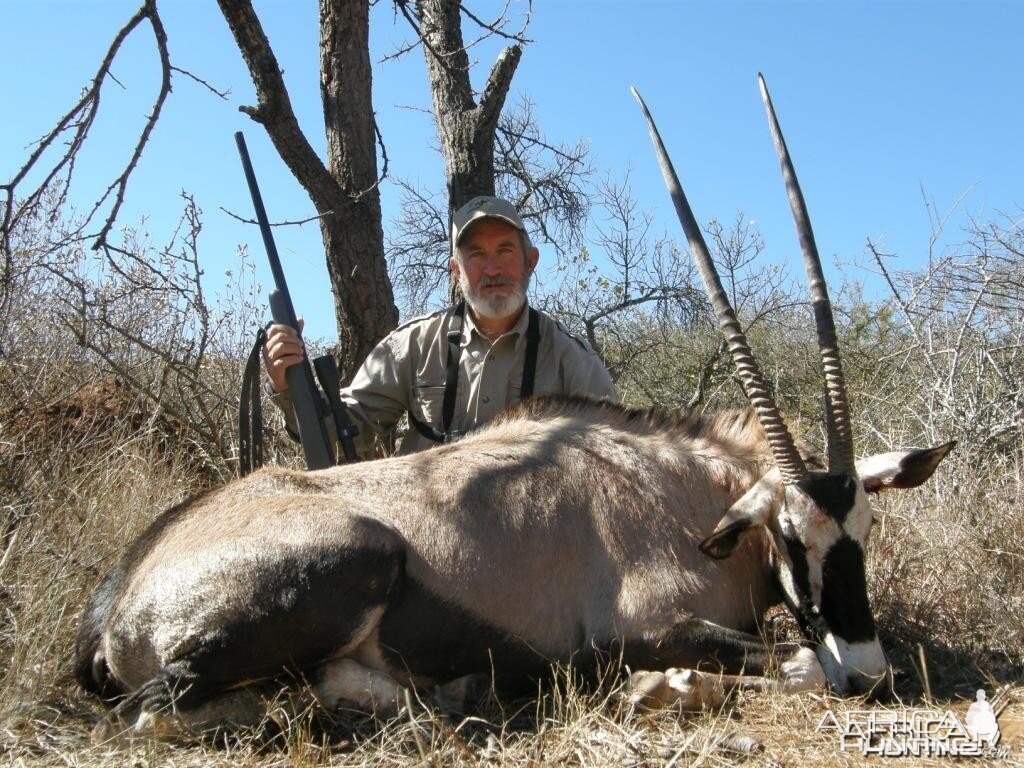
(922, 732)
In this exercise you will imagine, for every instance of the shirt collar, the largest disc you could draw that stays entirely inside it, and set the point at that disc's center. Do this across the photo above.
(518, 330)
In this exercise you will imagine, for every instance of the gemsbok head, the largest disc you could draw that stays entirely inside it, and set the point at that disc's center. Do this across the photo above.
(819, 520)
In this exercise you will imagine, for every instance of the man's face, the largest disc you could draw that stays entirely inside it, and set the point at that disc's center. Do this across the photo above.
(492, 269)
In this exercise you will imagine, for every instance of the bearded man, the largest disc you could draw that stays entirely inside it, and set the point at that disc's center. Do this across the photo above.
(456, 369)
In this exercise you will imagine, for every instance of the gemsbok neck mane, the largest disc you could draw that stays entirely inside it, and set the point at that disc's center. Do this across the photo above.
(642, 421)
(737, 433)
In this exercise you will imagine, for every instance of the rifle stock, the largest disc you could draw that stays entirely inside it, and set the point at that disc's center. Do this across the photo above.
(304, 393)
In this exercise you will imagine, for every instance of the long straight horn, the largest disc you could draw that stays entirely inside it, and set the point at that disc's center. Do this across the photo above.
(837, 417)
(788, 459)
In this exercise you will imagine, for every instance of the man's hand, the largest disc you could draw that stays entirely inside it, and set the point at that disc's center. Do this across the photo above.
(282, 350)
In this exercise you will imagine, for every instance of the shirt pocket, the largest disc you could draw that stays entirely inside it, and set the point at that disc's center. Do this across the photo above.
(428, 403)
(544, 383)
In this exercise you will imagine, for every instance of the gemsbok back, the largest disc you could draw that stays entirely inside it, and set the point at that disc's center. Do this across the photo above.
(565, 531)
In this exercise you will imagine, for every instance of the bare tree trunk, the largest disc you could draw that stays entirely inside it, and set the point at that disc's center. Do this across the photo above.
(354, 235)
(466, 128)
(344, 191)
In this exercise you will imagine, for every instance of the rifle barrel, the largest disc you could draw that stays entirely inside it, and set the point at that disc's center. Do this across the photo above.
(305, 395)
(268, 238)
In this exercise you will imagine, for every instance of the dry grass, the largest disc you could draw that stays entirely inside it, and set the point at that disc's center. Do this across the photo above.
(948, 580)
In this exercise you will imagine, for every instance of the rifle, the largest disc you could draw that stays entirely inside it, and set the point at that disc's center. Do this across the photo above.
(304, 392)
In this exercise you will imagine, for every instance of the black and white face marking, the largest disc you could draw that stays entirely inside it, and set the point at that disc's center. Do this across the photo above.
(824, 524)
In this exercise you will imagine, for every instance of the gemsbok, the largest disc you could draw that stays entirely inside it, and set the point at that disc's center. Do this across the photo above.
(566, 531)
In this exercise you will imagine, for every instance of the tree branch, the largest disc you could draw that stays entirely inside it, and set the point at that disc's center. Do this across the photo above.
(498, 82)
(295, 223)
(72, 129)
(222, 94)
(497, 27)
(274, 110)
(120, 184)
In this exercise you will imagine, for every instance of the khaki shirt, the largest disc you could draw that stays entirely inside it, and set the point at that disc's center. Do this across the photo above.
(407, 370)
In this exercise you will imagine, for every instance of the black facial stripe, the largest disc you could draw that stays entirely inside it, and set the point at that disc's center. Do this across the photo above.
(834, 494)
(807, 616)
(801, 572)
(844, 595)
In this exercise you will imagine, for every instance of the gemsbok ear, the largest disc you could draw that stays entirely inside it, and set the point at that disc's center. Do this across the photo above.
(901, 469)
(752, 509)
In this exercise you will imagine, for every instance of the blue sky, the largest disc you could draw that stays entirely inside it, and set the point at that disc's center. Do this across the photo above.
(879, 101)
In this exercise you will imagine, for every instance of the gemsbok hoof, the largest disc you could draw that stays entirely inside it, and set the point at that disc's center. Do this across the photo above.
(686, 689)
(803, 672)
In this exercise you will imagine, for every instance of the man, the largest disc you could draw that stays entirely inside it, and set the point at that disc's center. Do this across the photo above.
(456, 369)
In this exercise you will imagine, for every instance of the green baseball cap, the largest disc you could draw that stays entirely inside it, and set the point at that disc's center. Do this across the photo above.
(483, 207)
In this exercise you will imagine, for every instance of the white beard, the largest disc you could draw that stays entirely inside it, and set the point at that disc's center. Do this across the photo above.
(495, 306)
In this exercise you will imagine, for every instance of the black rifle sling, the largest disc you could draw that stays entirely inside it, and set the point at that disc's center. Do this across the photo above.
(250, 411)
(451, 383)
